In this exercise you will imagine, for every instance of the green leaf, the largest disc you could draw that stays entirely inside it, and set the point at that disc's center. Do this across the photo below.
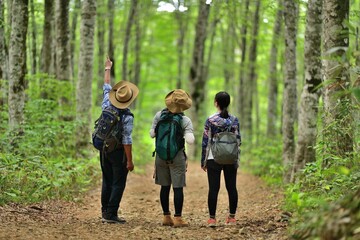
(344, 170)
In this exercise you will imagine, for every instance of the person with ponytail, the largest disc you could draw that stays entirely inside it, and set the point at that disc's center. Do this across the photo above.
(220, 121)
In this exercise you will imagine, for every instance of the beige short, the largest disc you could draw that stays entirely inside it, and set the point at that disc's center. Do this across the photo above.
(167, 173)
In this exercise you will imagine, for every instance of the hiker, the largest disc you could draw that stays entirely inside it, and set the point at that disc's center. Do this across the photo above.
(171, 170)
(116, 164)
(219, 122)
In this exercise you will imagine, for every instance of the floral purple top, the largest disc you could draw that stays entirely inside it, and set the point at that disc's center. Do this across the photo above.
(215, 124)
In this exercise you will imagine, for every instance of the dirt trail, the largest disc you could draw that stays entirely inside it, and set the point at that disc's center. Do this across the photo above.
(258, 213)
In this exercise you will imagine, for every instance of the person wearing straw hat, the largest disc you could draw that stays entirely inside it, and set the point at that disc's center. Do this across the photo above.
(116, 164)
(172, 172)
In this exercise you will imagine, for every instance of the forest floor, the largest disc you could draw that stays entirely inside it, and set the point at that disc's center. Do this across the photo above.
(259, 213)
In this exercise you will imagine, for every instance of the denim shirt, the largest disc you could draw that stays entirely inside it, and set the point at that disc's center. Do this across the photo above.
(128, 119)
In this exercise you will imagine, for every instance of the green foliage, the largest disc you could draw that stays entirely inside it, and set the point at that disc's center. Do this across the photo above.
(338, 220)
(41, 162)
(317, 188)
(264, 160)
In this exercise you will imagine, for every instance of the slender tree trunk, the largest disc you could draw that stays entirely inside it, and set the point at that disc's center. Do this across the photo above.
(73, 32)
(197, 79)
(9, 4)
(63, 66)
(111, 48)
(33, 39)
(101, 50)
(63, 56)
(290, 93)
(356, 100)
(45, 62)
(129, 24)
(17, 64)
(228, 49)
(212, 34)
(251, 84)
(309, 103)
(137, 64)
(3, 59)
(272, 111)
(182, 26)
(338, 133)
(243, 47)
(85, 76)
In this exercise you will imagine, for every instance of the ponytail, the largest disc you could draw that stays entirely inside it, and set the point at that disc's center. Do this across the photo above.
(223, 101)
(224, 113)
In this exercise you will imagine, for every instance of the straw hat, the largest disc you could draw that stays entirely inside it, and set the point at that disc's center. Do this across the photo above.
(123, 94)
(178, 101)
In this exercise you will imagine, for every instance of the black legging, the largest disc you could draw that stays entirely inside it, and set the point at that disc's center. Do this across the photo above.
(214, 174)
(178, 200)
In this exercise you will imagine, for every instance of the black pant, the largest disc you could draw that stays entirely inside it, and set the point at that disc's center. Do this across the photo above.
(114, 174)
(178, 200)
(214, 174)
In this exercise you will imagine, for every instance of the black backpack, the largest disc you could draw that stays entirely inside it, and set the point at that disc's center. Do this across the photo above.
(107, 135)
(169, 135)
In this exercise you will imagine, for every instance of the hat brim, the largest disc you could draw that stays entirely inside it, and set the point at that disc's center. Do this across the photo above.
(123, 105)
(177, 107)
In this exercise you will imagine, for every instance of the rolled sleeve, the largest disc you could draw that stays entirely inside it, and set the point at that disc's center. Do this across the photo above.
(154, 123)
(106, 101)
(127, 130)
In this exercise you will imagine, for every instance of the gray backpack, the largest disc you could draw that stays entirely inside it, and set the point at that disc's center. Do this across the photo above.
(225, 147)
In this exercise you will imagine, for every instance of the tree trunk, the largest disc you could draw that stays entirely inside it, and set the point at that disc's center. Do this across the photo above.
(111, 49)
(63, 66)
(129, 24)
(85, 76)
(250, 86)
(182, 26)
(290, 84)
(309, 103)
(63, 58)
(356, 99)
(196, 77)
(243, 47)
(17, 64)
(338, 132)
(212, 34)
(45, 62)
(3, 59)
(9, 4)
(33, 39)
(272, 113)
(101, 50)
(73, 32)
(137, 64)
(228, 49)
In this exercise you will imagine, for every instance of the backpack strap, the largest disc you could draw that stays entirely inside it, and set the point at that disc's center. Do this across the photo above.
(231, 123)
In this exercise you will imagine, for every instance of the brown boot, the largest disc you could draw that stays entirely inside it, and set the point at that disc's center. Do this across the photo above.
(167, 221)
(179, 222)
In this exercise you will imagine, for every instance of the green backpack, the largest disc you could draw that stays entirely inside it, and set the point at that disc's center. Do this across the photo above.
(169, 135)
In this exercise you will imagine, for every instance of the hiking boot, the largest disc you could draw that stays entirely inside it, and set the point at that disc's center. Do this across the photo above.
(167, 221)
(113, 219)
(230, 221)
(211, 222)
(179, 222)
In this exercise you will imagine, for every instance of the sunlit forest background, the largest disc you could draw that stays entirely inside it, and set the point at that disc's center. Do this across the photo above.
(291, 68)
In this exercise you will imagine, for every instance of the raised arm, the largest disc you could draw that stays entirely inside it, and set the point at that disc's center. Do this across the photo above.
(108, 65)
